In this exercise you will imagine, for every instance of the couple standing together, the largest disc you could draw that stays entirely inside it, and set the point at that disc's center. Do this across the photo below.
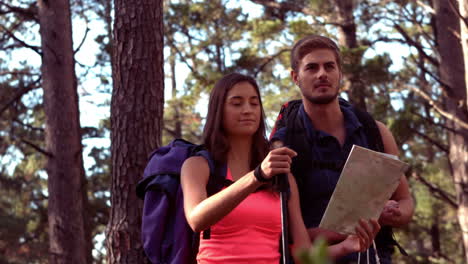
(244, 218)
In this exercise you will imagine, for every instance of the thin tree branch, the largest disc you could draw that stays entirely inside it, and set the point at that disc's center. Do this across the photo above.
(442, 147)
(437, 107)
(433, 76)
(444, 86)
(22, 91)
(428, 120)
(37, 148)
(437, 191)
(428, 8)
(170, 131)
(382, 39)
(83, 40)
(416, 45)
(11, 46)
(12, 29)
(184, 60)
(84, 37)
(284, 6)
(456, 10)
(269, 59)
(24, 44)
(40, 129)
(430, 39)
(29, 13)
(22, 72)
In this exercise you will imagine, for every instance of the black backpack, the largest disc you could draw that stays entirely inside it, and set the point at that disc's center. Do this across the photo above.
(297, 139)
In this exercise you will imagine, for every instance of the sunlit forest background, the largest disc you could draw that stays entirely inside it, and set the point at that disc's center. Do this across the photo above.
(88, 88)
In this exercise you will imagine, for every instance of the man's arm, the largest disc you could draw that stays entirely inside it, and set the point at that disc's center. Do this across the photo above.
(330, 236)
(399, 209)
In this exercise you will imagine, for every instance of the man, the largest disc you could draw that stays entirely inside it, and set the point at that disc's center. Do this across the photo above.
(330, 129)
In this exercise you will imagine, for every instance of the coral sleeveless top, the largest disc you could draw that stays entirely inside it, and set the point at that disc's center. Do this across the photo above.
(248, 234)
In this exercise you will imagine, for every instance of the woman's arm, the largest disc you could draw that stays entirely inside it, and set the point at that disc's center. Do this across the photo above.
(202, 212)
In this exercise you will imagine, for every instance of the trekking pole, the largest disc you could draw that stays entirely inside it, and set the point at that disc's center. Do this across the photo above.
(281, 181)
(284, 220)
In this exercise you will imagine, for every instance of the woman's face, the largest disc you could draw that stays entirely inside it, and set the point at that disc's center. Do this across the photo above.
(242, 111)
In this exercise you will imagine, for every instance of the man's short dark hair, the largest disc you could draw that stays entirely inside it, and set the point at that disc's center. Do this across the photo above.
(309, 43)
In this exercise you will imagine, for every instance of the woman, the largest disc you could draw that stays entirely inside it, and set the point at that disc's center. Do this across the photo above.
(244, 218)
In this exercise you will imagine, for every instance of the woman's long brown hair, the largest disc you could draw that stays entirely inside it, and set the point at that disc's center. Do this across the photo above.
(214, 136)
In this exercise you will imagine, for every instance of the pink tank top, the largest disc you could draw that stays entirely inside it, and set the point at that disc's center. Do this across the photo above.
(248, 234)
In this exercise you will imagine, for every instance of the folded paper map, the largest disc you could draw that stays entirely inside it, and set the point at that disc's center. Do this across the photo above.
(366, 183)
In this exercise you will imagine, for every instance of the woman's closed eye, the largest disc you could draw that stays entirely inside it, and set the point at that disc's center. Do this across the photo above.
(236, 102)
(254, 101)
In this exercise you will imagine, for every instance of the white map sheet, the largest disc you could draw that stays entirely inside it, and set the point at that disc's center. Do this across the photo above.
(366, 183)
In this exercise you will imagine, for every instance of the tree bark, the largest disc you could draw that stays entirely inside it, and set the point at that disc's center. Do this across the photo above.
(435, 234)
(452, 73)
(136, 118)
(177, 103)
(66, 183)
(347, 38)
(463, 5)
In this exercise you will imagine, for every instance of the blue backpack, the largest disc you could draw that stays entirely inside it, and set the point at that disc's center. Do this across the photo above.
(166, 235)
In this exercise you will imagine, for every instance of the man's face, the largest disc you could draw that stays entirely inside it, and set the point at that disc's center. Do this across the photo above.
(318, 76)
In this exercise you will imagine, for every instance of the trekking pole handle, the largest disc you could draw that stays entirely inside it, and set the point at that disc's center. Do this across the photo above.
(276, 143)
(280, 180)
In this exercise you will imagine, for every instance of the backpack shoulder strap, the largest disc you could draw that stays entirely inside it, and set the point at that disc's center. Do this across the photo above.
(295, 137)
(287, 111)
(217, 179)
(371, 130)
(165, 160)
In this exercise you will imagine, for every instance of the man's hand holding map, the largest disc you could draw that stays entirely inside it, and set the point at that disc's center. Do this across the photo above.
(366, 184)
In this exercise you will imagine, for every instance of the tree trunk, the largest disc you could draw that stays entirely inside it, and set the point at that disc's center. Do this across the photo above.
(347, 38)
(452, 73)
(108, 21)
(463, 5)
(177, 103)
(435, 234)
(66, 186)
(136, 118)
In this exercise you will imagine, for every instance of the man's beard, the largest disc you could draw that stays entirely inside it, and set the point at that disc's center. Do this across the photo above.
(321, 99)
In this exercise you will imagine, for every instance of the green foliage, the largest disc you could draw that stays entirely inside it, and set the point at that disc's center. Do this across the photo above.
(263, 29)
(23, 216)
(434, 222)
(317, 254)
(316, 4)
(23, 181)
(181, 120)
(376, 70)
(209, 39)
(301, 28)
(249, 59)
